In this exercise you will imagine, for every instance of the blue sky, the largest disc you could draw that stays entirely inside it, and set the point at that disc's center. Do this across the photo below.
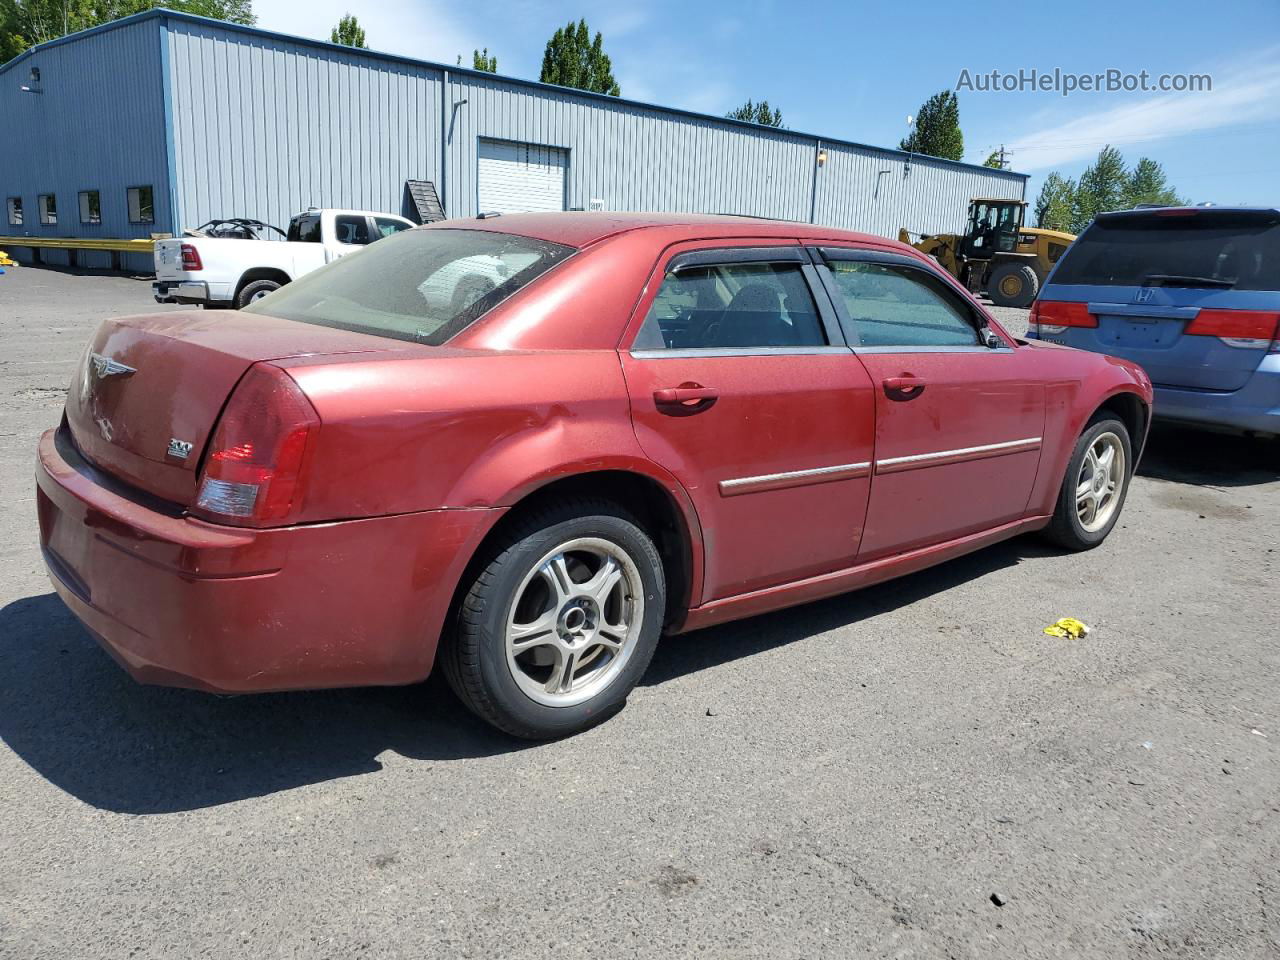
(856, 70)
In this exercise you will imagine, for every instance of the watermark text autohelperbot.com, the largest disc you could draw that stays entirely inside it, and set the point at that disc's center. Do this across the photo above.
(1065, 83)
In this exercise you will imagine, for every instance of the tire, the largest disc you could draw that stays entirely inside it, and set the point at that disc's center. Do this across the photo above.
(1071, 527)
(571, 631)
(255, 290)
(1013, 285)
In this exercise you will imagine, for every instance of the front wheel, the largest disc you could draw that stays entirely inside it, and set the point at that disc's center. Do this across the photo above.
(1013, 285)
(559, 626)
(1095, 485)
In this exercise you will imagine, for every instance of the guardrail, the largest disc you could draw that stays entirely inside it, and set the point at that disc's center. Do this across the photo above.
(114, 246)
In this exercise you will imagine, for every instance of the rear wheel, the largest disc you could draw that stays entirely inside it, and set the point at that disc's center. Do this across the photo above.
(1094, 487)
(560, 624)
(1013, 285)
(255, 290)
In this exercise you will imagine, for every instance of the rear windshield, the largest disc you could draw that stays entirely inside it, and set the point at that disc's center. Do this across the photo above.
(419, 285)
(1240, 252)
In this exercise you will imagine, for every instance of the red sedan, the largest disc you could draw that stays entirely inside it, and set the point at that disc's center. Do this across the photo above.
(528, 446)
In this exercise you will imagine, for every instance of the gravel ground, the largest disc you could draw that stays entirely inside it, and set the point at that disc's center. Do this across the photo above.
(857, 777)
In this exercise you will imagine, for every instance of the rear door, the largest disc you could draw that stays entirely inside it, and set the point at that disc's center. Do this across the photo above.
(742, 387)
(1188, 294)
(958, 424)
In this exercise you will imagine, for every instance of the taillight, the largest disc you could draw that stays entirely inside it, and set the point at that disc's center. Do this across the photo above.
(254, 470)
(191, 258)
(1054, 316)
(1251, 329)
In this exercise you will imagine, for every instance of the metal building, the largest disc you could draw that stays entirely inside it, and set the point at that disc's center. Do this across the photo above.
(163, 120)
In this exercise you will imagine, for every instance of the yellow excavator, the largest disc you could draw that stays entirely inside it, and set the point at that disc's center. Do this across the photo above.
(996, 254)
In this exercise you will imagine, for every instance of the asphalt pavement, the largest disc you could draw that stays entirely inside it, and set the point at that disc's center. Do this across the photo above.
(865, 776)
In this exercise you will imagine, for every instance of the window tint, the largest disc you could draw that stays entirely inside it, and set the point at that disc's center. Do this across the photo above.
(419, 285)
(142, 207)
(1240, 251)
(15, 211)
(350, 229)
(733, 305)
(90, 207)
(48, 205)
(304, 229)
(894, 306)
(386, 227)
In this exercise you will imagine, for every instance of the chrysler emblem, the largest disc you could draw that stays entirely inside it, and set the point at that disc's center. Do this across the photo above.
(106, 367)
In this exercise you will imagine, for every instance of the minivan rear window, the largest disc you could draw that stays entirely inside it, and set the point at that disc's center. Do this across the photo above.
(1240, 251)
(419, 285)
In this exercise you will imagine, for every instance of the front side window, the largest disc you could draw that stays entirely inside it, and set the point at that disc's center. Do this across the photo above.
(142, 207)
(386, 226)
(15, 211)
(90, 207)
(48, 205)
(419, 285)
(351, 230)
(892, 306)
(733, 305)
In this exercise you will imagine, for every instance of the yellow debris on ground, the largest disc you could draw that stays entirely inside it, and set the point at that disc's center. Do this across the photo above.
(1068, 627)
(6, 261)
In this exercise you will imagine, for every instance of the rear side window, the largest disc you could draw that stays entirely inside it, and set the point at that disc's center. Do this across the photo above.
(418, 285)
(738, 305)
(893, 306)
(1192, 250)
(351, 230)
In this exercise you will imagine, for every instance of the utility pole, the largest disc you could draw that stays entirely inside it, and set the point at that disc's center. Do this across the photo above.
(1004, 155)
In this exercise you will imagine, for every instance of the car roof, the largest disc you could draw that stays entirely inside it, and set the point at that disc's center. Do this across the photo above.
(1259, 214)
(580, 229)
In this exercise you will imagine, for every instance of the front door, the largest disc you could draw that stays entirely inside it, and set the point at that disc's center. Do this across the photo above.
(958, 423)
(742, 387)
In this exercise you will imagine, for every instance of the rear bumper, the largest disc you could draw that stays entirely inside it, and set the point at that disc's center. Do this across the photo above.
(191, 291)
(1254, 407)
(180, 602)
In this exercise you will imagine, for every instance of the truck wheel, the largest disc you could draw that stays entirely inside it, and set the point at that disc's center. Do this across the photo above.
(255, 290)
(560, 623)
(1013, 285)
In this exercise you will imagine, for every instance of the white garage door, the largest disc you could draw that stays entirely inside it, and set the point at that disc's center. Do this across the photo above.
(520, 177)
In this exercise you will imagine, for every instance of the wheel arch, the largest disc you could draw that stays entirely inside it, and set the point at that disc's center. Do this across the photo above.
(1133, 412)
(261, 273)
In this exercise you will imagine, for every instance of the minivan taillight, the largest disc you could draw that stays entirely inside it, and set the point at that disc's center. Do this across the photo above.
(1054, 316)
(191, 258)
(1250, 329)
(254, 470)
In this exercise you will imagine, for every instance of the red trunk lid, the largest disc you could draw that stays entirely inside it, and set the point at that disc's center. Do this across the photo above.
(148, 386)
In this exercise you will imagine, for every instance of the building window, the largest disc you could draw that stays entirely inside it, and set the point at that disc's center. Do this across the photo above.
(15, 211)
(90, 207)
(141, 205)
(48, 205)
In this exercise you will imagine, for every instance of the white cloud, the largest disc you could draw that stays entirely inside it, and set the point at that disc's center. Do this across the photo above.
(424, 29)
(1245, 94)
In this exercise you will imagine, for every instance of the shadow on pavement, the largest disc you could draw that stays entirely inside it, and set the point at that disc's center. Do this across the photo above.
(78, 720)
(1186, 455)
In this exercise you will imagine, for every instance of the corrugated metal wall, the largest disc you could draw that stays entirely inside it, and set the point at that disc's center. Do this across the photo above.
(97, 125)
(266, 127)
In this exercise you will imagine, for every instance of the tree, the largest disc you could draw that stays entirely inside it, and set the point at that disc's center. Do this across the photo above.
(348, 32)
(572, 59)
(1148, 184)
(1055, 206)
(1102, 187)
(995, 159)
(760, 113)
(25, 23)
(937, 128)
(483, 62)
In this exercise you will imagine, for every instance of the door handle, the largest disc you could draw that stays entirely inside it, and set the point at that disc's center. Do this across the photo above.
(688, 397)
(905, 387)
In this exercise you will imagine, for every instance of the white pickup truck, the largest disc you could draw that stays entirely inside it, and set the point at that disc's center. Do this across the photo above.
(222, 271)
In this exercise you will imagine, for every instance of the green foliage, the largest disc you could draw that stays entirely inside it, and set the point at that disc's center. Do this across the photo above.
(348, 32)
(1105, 185)
(937, 128)
(572, 59)
(993, 160)
(1056, 204)
(25, 23)
(480, 60)
(760, 113)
